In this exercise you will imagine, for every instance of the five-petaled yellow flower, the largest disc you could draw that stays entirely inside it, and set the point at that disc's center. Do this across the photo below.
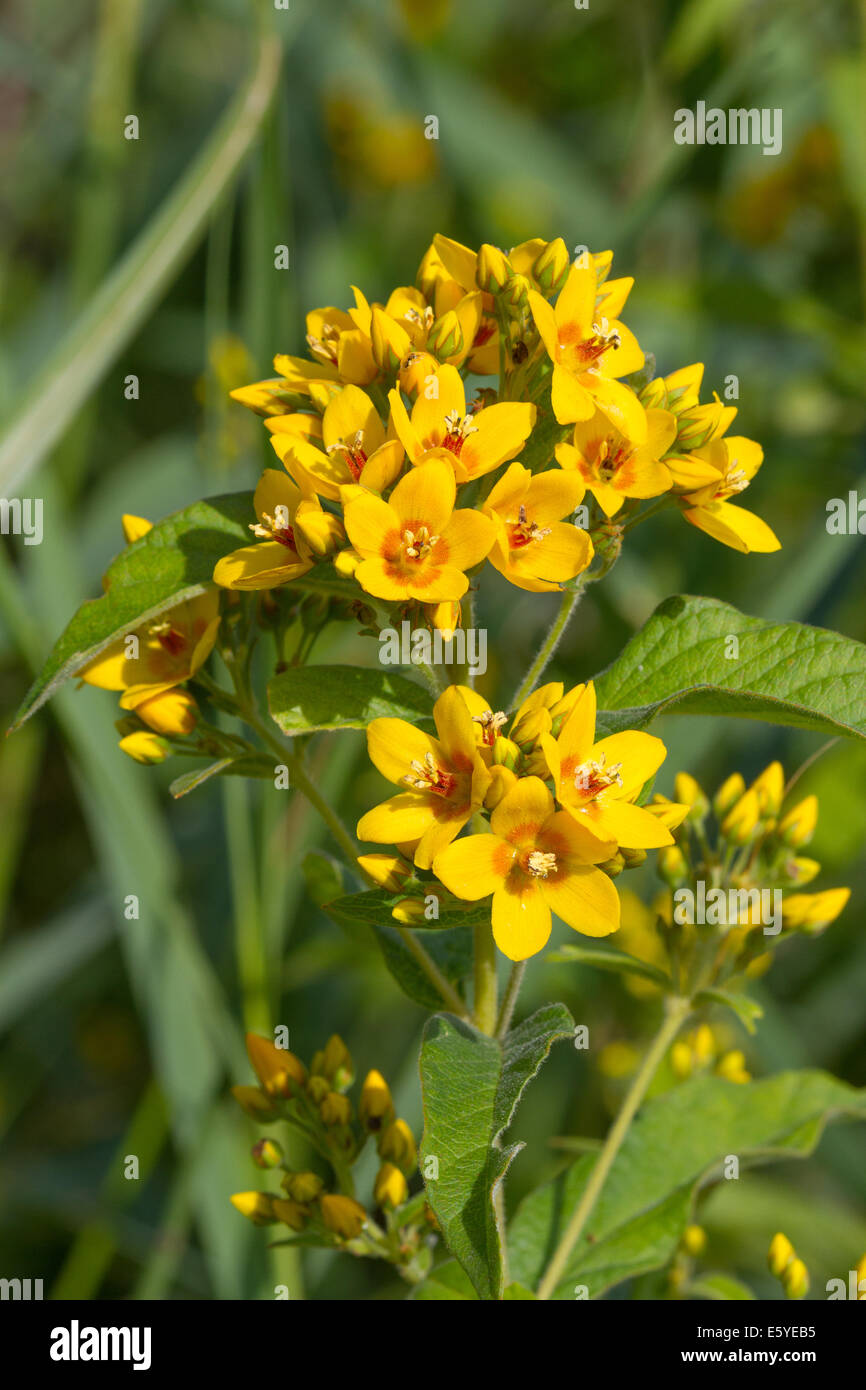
(612, 466)
(444, 779)
(472, 442)
(597, 783)
(535, 549)
(293, 532)
(355, 448)
(735, 461)
(589, 349)
(535, 861)
(415, 545)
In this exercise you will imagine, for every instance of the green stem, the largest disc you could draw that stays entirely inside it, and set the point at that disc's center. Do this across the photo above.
(570, 599)
(677, 1012)
(485, 979)
(509, 999)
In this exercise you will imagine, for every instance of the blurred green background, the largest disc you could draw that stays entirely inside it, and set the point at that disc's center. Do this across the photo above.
(121, 1037)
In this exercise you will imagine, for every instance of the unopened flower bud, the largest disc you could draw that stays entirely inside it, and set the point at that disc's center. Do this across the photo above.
(633, 858)
(682, 1059)
(342, 1215)
(613, 867)
(303, 1187)
(551, 269)
(335, 1062)
(506, 752)
(280, 1071)
(390, 1189)
(267, 1153)
(335, 1109)
(797, 826)
(492, 271)
(769, 789)
(672, 866)
(741, 822)
(255, 1103)
(694, 1240)
(386, 870)
(171, 712)
(780, 1254)
(292, 1214)
(145, 747)
(257, 1207)
(732, 1066)
(397, 1143)
(445, 339)
(795, 1280)
(390, 342)
(729, 792)
(375, 1108)
(688, 791)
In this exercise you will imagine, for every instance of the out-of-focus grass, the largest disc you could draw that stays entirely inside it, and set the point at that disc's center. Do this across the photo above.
(121, 1035)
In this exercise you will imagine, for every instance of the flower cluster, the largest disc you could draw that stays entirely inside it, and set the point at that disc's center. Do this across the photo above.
(402, 471)
(322, 1206)
(554, 810)
(734, 877)
(150, 665)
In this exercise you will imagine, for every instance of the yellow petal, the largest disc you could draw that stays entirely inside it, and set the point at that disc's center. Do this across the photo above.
(629, 825)
(393, 744)
(500, 433)
(521, 920)
(570, 400)
(467, 538)
(402, 817)
(426, 496)
(522, 812)
(369, 521)
(585, 899)
(475, 866)
(734, 526)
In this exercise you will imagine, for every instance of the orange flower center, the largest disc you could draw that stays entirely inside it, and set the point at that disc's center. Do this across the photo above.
(353, 452)
(580, 354)
(593, 777)
(427, 776)
(523, 532)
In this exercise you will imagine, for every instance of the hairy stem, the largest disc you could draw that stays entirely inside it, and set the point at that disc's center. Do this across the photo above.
(509, 998)
(570, 599)
(676, 1013)
(485, 979)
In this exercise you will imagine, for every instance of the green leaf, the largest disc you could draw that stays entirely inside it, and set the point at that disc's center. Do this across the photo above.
(233, 767)
(786, 673)
(448, 1282)
(373, 908)
(748, 1010)
(172, 562)
(608, 958)
(452, 950)
(718, 1286)
(471, 1085)
(678, 1139)
(303, 701)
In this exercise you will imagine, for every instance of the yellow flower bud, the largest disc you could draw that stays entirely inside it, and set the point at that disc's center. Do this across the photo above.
(387, 870)
(502, 780)
(506, 752)
(375, 1108)
(397, 1143)
(172, 712)
(145, 747)
(681, 1059)
(795, 1280)
(445, 339)
(342, 1215)
(797, 826)
(729, 792)
(492, 271)
(732, 1066)
(703, 1044)
(653, 396)
(672, 865)
(335, 1109)
(414, 371)
(317, 1088)
(303, 1187)
(134, 527)
(633, 858)
(613, 867)
(770, 787)
(390, 1189)
(335, 1062)
(267, 1153)
(292, 1214)
(255, 1103)
(780, 1254)
(346, 562)
(689, 793)
(550, 271)
(801, 870)
(323, 532)
(743, 819)
(517, 291)
(257, 1207)
(409, 911)
(444, 617)
(390, 342)
(279, 1071)
(694, 1240)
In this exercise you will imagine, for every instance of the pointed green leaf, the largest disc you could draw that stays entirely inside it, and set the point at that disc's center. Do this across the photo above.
(608, 958)
(306, 700)
(471, 1085)
(786, 673)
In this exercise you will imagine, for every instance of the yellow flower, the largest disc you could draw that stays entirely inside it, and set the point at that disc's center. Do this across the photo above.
(589, 349)
(473, 443)
(355, 448)
(694, 1240)
(291, 530)
(387, 870)
(416, 545)
(535, 549)
(342, 1215)
(170, 649)
(535, 861)
(597, 783)
(732, 1066)
(145, 747)
(614, 467)
(445, 777)
(391, 1188)
(811, 912)
(340, 345)
(734, 461)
